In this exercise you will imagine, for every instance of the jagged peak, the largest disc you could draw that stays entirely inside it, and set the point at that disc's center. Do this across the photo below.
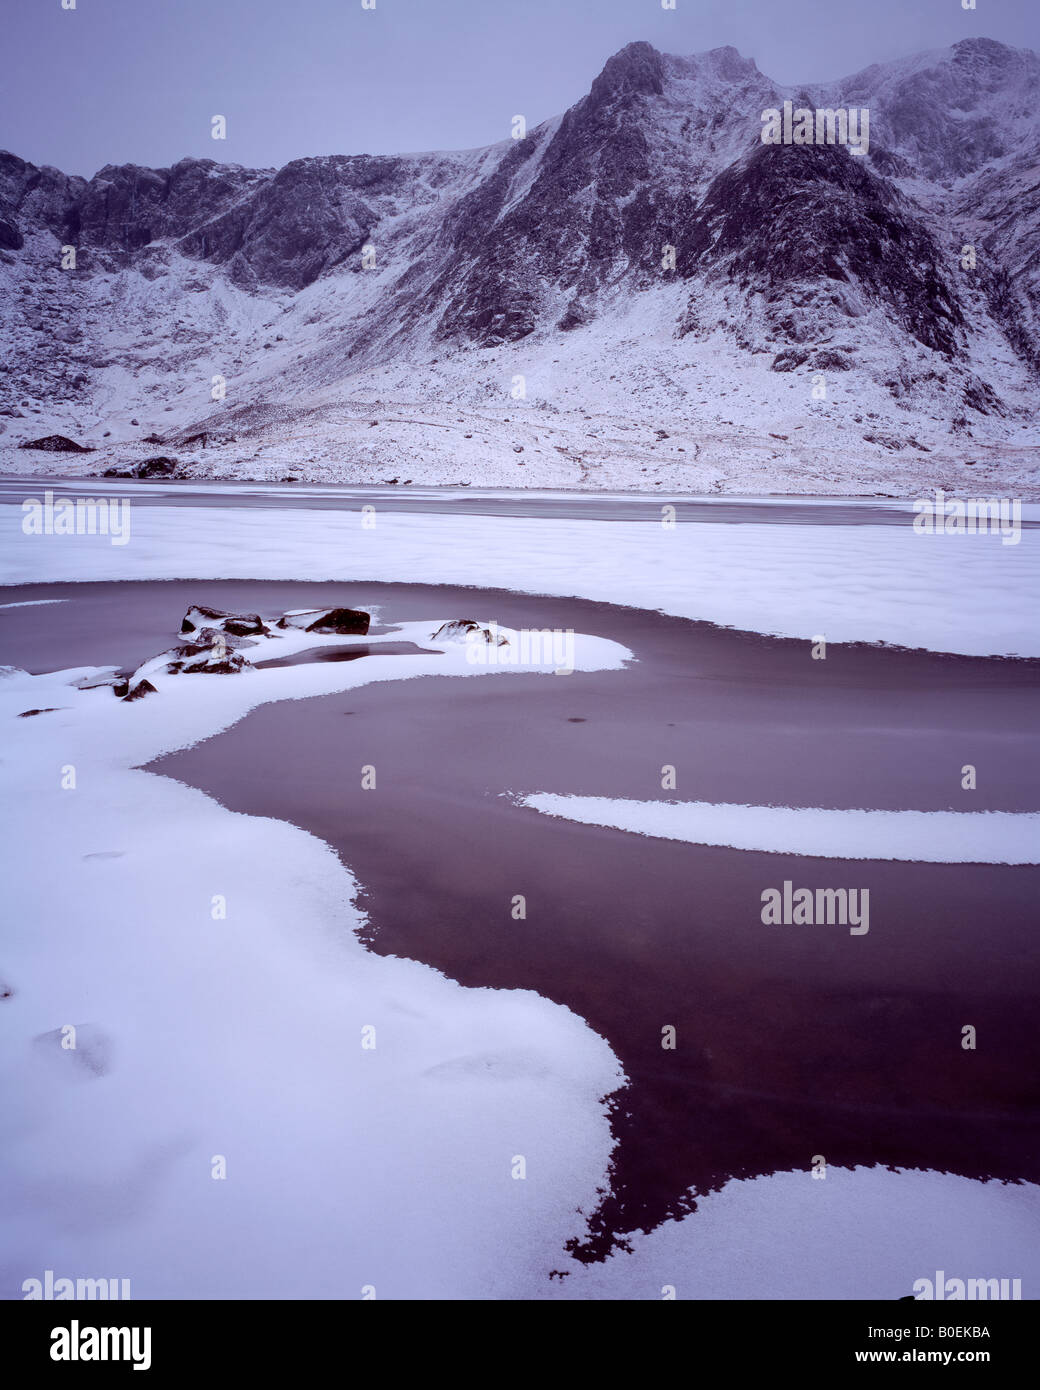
(8, 157)
(636, 68)
(729, 62)
(188, 164)
(974, 53)
(991, 49)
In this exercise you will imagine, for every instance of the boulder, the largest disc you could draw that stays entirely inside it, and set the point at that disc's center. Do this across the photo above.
(789, 359)
(56, 444)
(466, 630)
(189, 659)
(212, 652)
(300, 617)
(238, 624)
(158, 467)
(340, 621)
(210, 661)
(140, 690)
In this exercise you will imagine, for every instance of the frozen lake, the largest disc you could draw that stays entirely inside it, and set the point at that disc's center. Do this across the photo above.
(792, 1040)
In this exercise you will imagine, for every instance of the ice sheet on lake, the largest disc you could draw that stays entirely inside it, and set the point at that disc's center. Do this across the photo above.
(953, 593)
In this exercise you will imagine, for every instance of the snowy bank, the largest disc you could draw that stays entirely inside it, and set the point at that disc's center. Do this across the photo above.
(223, 1126)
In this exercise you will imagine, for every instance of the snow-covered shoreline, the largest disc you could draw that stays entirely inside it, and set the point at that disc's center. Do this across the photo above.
(209, 963)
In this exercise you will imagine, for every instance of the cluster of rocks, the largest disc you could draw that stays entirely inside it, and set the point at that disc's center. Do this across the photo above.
(159, 466)
(216, 643)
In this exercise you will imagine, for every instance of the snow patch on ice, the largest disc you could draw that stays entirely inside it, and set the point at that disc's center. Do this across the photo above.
(932, 837)
(33, 603)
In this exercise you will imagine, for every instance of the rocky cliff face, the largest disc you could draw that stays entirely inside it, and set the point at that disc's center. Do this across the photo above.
(643, 256)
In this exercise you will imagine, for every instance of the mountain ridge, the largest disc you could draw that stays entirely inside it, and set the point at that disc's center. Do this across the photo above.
(454, 283)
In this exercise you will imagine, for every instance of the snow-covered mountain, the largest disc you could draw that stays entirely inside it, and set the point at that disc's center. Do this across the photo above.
(512, 316)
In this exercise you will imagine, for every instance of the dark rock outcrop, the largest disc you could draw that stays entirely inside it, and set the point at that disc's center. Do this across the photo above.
(200, 658)
(57, 444)
(345, 621)
(813, 215)
(199, 617)
(138, 691)
(468, 630)
(160, 466)
(11, 238)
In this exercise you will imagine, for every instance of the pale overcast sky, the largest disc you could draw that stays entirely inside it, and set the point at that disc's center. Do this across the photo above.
(115, 81)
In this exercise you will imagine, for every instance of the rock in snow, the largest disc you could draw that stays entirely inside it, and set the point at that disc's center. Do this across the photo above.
(346, 622)
(138, 691)
(56, 444)
(239, 624)
(157, 467)
(466, 630)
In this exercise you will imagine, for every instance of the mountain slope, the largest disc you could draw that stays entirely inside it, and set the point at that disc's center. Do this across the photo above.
(639, 293)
